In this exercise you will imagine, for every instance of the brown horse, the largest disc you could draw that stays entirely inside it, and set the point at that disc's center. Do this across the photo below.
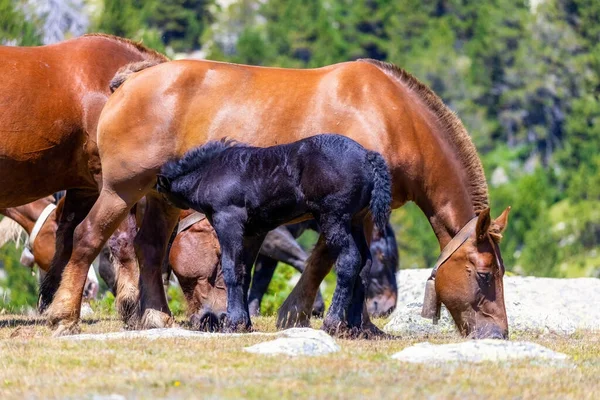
(162, 112)
(39, 220)
(50, 101)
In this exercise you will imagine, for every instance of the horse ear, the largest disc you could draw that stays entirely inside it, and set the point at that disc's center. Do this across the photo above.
(502, 220)
(162, 182)
(483, 224)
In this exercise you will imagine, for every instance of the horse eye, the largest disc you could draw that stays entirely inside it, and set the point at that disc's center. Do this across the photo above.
(484, 277)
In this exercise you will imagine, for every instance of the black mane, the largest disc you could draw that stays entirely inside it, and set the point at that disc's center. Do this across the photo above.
(197, 157)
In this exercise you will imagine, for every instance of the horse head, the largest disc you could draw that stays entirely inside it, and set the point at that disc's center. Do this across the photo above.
(468, 279)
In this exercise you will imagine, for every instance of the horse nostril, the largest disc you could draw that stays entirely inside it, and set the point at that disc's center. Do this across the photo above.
(490, 332)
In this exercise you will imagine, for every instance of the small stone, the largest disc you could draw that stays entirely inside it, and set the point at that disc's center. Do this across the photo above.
(86, 310)
(297, 342)
(477, 351)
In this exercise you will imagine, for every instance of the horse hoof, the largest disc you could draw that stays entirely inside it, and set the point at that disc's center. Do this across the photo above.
(292, 317)
(206, 321)
(154, 319)
(127, 308)
(318, 310)
(371, 332)
(338, 328)
(66, 328)
(239, 324)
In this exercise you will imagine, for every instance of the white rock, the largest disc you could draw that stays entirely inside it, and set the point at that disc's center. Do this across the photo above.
(476, 351)
(533, 305)
(297, 342)
(86, 310)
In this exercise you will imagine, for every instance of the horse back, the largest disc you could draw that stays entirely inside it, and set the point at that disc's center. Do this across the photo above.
(50, 100)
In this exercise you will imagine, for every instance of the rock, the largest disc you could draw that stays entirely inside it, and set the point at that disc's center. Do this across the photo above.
(86, 310)
(297, 342)
(533, 305)
(151, 334)
(477, 351)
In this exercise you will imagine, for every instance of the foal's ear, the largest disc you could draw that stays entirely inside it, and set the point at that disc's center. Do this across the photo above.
(162, 182)
(483, 224)
(502, 220)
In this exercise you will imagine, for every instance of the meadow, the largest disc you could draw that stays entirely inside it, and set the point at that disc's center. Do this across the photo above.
(35, 365)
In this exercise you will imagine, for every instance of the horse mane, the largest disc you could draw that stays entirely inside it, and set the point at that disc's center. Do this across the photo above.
(10, 230)
(197, 157)
(456, 134)
(152, 54)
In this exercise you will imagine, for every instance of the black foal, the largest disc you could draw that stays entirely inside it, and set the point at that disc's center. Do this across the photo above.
(247, 191)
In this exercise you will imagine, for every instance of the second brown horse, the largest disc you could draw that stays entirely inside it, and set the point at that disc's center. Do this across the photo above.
(160, 113)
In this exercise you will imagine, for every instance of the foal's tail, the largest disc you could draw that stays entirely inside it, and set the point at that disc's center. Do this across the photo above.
(381, 196)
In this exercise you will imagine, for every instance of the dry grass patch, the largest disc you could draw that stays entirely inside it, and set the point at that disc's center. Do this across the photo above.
(32, 364)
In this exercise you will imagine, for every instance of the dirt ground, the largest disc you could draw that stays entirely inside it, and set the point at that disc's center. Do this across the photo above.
(35, 365)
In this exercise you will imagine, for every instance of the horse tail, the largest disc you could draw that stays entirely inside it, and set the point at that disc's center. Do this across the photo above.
(381, 195)
(127, 70)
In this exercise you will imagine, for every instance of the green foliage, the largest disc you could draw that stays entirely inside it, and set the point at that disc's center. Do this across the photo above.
(176, 24)
(14, 27)
(19, 286)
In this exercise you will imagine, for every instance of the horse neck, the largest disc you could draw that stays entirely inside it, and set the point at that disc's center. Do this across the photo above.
(26, 215)
(443, 193)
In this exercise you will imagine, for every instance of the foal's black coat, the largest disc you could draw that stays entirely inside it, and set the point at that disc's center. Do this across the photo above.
(247, 191)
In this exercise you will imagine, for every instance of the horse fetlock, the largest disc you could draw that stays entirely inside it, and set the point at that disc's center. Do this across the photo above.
(237, 322)
(154, 319)
(66, 328)
(336, 327)
(291, 316)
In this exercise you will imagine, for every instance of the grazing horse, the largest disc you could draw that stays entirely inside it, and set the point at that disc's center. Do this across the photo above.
(158, 114)
(195, 258)
(247, 191)
(50, 100)
(39, 220)
(382, 293)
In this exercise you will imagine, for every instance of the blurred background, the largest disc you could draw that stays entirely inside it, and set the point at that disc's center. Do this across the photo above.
(524, 77)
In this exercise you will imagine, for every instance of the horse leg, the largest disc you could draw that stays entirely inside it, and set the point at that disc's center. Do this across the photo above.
(150, 244)
(296, 309)
(88, 238)
(348, 265)
(263, 273)
(238, 254)
(126, 268)
(358, 315)
(76, 206)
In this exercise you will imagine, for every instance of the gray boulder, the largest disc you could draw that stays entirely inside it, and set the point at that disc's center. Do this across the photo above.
(297, 342)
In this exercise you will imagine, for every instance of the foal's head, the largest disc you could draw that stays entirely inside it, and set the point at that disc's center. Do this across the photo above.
(178, 179)
(470, 282)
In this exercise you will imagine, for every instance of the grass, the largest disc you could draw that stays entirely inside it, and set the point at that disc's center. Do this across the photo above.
(34, 365)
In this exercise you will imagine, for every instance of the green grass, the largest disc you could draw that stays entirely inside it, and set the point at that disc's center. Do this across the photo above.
(34, 365)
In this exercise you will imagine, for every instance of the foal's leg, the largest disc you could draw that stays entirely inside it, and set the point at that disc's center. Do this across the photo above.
(88, 238)
(126, 268)
(237, 256)
(348, 265)
(150, 245)
(76, 206)
(358, 315)
(296, 309)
